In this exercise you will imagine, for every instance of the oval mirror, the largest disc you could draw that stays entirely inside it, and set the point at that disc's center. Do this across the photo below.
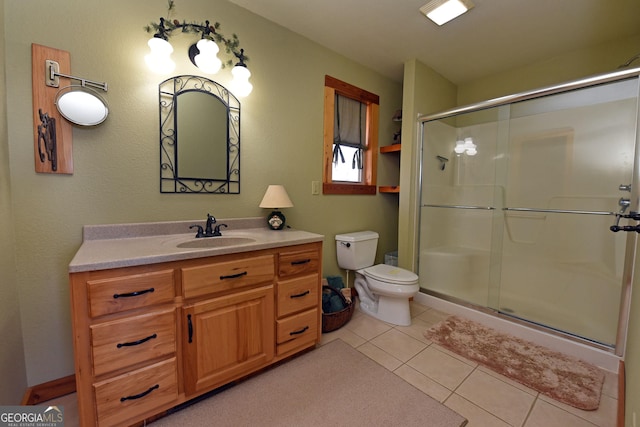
(81, 106)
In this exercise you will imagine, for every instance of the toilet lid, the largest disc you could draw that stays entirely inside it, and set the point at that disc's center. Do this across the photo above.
(389, 273)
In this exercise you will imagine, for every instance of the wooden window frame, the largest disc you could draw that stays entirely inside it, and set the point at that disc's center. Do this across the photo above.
(333, 86)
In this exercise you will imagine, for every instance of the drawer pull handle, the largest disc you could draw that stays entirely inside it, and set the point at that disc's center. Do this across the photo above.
(301, 331)
(302, 261)
(138, 396)
(300, 295)
(190, 327)
(133, 294)
(234, 276)
(143, 340)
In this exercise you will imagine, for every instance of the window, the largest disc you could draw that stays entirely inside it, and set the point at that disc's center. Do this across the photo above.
(350, 139)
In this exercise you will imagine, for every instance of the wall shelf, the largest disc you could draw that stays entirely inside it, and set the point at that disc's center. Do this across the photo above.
(393, 148)
(389, 189)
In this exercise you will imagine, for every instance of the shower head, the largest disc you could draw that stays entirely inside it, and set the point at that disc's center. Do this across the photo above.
(443, 162)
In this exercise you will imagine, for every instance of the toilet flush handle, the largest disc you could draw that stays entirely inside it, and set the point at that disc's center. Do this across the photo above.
(347, 244)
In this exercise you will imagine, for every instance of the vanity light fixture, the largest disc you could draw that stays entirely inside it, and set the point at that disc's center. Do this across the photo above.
(203, 54)
(443, 11)
(275, 198)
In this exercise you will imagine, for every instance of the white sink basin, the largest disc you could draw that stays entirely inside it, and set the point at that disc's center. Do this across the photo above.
(215, 242)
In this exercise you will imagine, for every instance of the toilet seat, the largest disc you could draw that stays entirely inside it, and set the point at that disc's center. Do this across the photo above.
(390, 274)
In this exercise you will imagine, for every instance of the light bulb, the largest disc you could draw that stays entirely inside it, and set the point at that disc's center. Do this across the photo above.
(159, 58)
(207, 60)
(240, 85)
(459, 149)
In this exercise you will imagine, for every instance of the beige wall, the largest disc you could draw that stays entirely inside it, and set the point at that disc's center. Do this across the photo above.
(12, 364)
(424, 92)
(115, 176)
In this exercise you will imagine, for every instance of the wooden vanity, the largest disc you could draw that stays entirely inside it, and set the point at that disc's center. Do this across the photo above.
(151, 333)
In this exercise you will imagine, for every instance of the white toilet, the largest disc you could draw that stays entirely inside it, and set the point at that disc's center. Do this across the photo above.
(384, 290)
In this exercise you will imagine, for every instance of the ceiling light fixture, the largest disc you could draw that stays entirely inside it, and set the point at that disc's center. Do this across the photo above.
(443, 11)
(203, 54)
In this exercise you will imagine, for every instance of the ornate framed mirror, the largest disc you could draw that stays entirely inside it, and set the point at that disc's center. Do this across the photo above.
(199, 137)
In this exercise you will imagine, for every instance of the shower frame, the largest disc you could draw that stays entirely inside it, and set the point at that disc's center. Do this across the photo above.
(634, 206)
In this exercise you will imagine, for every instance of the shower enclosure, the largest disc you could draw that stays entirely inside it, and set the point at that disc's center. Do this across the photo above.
(529, 206)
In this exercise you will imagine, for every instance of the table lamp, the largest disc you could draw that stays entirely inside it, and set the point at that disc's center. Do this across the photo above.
(275, 198)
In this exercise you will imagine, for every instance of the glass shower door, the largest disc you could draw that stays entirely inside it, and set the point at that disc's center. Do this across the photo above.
(568, 156)
(460, 207)
(521, 222)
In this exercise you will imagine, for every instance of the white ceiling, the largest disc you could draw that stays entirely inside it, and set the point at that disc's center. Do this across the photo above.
(495, 35)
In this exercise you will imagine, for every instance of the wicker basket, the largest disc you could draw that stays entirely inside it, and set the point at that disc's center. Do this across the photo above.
(337, 319)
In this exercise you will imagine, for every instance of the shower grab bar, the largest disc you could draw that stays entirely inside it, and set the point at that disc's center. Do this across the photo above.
(460, 207)
(569, 211)
(560, 211)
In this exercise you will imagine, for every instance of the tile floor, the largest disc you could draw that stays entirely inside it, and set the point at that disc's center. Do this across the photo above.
(483, 397)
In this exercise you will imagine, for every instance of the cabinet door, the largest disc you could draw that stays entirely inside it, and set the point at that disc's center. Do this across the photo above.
(227, 337)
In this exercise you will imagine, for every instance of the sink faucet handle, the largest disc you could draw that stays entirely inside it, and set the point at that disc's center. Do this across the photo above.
(216, 232)
(200, 231)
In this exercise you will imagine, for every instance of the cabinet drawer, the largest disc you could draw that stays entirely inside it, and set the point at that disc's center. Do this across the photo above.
(297, 294)
(132, 394)
(298, 262)
(296, 331)
(222, 276)
(125, 342)
(127, 292)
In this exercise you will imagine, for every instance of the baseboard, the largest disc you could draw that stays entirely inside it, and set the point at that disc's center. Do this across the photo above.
(621, 394)
(49, 390)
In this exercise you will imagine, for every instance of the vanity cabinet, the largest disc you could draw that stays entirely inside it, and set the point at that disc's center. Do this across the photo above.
(298, 295)
(150, 337)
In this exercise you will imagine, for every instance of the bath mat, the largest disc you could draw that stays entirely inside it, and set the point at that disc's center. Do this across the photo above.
(564, 378)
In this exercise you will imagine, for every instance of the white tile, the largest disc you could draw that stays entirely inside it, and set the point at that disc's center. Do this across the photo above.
(476, 416)
(415, 330)
(399, 345)
(546, 415)
(380, 356)
(345, 335)
(440, 367)
(366, 326)
(604, 416)
(497, 397)
(423, 383)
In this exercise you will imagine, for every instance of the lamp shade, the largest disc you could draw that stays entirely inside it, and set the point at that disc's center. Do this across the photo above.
(276, 197)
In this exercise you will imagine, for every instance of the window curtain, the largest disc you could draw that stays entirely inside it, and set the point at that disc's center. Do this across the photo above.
(348, 129)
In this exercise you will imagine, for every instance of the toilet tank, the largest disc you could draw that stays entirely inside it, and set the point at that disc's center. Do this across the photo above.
(356, 250)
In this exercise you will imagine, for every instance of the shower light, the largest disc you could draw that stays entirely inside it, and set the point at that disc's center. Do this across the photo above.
(467, 146)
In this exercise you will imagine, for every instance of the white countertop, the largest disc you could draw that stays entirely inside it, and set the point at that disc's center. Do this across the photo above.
(125, 245)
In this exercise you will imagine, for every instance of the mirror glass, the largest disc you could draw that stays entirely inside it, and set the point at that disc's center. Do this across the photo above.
(199, 137)
(81, 106)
